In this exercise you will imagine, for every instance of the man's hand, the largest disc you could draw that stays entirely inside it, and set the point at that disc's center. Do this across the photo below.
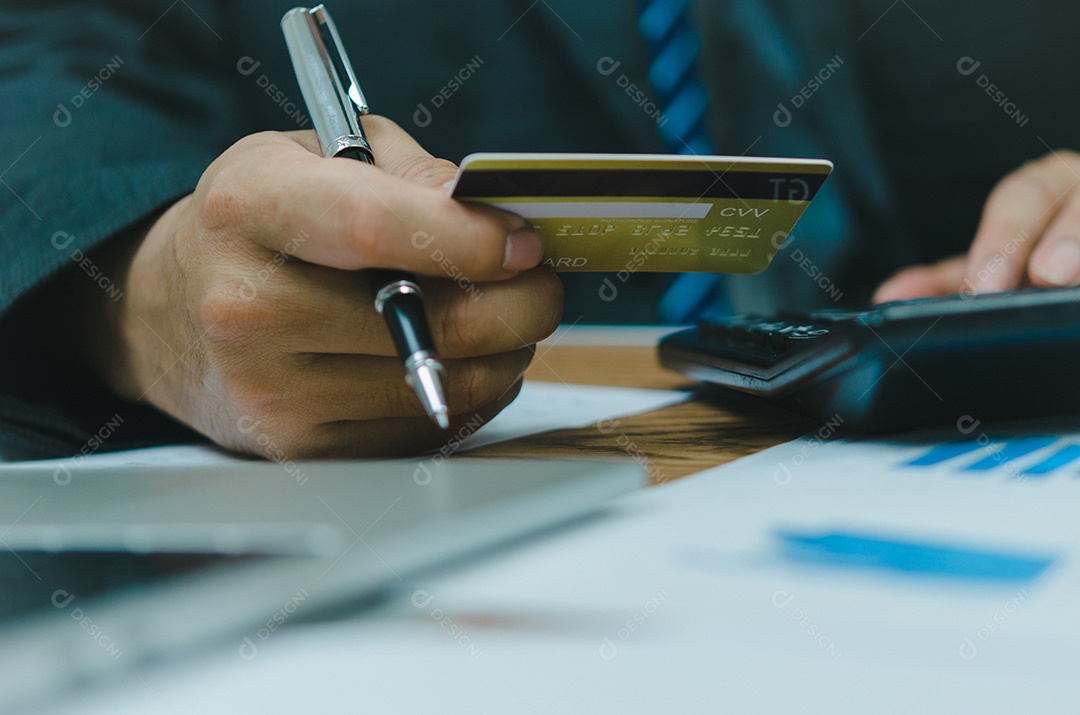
(1029, 235)
(246, 316)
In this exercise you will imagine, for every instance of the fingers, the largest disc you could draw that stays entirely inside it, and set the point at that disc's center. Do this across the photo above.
(342, 385)
(402, 435)
(1014, 220)
(940, 279)
(1029, 232)
(395, 152)
(398, 154)
(1055, 261)
(272, 190)
(322, 389)
(311, 309)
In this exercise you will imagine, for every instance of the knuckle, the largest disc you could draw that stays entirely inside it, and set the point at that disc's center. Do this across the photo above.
(479, 382)
(294, 444)
(223, 201)
(369, 222)
(267, 408)
(427, 170)
(271, 441)
(225, 314)
(275, 419)
(224, 191)
(249, 396)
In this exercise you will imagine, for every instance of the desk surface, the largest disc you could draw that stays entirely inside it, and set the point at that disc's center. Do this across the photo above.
(672, 442)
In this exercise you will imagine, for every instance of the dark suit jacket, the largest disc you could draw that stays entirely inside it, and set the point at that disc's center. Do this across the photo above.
(113, 109)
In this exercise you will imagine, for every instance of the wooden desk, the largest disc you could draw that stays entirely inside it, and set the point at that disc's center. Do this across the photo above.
(670, 443)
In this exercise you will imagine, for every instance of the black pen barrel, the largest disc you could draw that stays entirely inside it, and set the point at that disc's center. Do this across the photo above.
(402, 308)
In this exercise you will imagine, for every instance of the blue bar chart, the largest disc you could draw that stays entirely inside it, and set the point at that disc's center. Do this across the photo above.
(1030, 456)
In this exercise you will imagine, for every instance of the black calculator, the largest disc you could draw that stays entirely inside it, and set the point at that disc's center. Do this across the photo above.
(901, 365)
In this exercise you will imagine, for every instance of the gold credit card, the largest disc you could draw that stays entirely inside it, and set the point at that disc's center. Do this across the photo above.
(646, 212)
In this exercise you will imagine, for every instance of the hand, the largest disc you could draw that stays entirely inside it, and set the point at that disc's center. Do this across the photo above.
(1029, 235)
(244, 314)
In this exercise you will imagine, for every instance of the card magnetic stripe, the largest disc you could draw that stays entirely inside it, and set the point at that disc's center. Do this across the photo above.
(756, 185)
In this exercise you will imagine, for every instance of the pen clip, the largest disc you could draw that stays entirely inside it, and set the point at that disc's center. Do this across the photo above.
(327, 81)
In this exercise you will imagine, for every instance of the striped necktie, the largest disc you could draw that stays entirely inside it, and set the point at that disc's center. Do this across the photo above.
(667, 29)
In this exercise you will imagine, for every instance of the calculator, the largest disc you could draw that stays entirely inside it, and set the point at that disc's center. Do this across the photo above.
(899, 366)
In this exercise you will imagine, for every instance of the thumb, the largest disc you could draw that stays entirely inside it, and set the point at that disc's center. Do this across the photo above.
(399, 154)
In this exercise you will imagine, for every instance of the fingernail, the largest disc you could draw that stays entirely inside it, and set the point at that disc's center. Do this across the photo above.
(523, 250)
(1060, 265)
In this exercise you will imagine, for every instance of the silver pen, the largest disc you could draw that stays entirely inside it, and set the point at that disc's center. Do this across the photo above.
(335, 102)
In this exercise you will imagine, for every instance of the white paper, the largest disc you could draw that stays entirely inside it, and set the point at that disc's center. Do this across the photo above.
(546, 406)
(682, 602)
(540, 407)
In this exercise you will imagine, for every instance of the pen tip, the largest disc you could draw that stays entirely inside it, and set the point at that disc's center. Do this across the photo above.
(425, 377)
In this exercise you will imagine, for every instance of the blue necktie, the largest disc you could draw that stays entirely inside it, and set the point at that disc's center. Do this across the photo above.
(666, 27)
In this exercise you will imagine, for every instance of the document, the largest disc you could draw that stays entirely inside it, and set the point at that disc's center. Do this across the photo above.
(540, 407)
(930, 574)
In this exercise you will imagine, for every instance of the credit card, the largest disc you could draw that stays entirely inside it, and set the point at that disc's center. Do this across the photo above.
(648, 212)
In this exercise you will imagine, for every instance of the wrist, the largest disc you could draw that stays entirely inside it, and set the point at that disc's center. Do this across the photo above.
(101, 321)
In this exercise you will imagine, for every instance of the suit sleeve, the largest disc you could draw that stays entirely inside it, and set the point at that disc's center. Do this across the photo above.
(111, 112)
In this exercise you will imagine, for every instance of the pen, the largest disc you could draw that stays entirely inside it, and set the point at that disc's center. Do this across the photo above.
(335, 102)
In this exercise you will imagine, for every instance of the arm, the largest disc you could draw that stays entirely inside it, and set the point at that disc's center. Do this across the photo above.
(239, 311)
(110, 113)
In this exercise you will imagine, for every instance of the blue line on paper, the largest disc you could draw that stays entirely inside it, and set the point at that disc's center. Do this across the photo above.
(878, 553)
(1063, 457)
(944, 452)
(1010, 451)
